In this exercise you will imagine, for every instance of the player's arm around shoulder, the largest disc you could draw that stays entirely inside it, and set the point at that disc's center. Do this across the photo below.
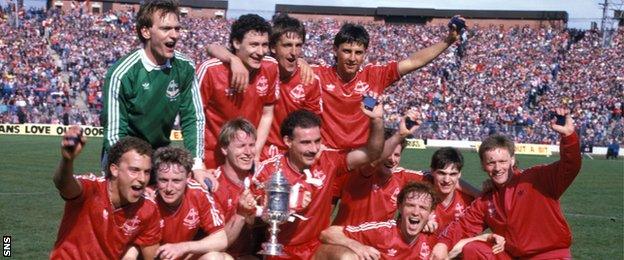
(307, 74)
(240, 74)
(64, 180)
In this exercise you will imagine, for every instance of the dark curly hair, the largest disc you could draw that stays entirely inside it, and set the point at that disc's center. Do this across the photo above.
(169, 155)
(352, 33)
(246, 23)
(298, 118)
(447, 156)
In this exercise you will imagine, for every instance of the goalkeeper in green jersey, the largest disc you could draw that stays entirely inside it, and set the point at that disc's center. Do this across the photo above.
(145, 90)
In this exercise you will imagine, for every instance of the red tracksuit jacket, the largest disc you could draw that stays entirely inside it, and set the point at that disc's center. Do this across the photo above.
(526, 211)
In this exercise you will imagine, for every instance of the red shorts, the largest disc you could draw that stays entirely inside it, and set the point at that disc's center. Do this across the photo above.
(303, 251)
(482, 250)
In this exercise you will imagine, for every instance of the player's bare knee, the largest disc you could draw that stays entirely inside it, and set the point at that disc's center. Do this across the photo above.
(215, 256)
(226, 256)
(131, 254)
(347, 255)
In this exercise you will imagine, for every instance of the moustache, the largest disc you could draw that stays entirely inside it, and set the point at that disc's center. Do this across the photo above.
(309, 154)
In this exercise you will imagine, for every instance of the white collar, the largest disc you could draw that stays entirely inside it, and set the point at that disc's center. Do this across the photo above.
(149, 65)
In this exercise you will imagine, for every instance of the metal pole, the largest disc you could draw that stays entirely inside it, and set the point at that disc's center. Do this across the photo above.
(604, 15)
(16, 15)
(605, 25)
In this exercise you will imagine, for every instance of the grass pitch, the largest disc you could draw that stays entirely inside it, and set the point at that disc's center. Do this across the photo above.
(31, 209)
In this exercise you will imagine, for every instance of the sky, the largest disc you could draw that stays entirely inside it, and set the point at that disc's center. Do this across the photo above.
(580, 12)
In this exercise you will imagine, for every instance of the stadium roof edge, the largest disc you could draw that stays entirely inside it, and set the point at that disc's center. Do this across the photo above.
(333, 10)
(479, 14)
(219, 4)
(423, 12)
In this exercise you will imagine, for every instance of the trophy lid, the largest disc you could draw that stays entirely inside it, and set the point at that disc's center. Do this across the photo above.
(278, 181)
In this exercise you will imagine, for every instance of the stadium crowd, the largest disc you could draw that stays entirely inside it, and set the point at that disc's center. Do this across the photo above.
(507, 80)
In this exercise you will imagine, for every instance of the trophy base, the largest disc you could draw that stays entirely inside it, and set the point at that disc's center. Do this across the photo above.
(272, 249)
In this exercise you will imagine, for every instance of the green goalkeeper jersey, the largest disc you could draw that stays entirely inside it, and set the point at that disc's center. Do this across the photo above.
(142, 99)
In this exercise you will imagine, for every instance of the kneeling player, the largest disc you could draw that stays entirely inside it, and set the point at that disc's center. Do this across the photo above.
(237, 140)
(104, 216)
(306, 164)
(393, 239)
(185, 208)
(524, 206)
(370, 193)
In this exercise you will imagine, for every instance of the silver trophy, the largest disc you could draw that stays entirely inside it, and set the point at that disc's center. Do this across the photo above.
(276, 210)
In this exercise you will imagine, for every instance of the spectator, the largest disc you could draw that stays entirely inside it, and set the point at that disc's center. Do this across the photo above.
(613, 150)
(463, 99)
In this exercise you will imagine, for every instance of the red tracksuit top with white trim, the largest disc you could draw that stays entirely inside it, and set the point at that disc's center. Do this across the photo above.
(526, 211)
